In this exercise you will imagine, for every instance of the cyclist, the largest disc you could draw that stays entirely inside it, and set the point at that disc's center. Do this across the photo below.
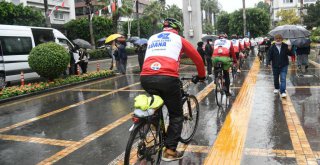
(247, 45)
(236, 47)
(223, 52)
(160, 75)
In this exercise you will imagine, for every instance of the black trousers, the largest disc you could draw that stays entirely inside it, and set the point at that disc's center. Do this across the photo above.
(209, 65)
(168, 88)
(84, 66)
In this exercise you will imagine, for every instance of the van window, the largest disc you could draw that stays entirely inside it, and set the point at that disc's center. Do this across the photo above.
(16, 45)
(42, 35)
(66, 42)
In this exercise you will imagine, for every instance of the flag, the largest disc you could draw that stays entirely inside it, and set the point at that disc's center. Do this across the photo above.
(119, 3)
(109, 9)
(100, 12)
(62, 4)
(57, 8)
(113, 7)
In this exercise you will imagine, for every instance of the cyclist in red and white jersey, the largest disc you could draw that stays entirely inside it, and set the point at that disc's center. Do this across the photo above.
(224, 52)
(160, 75)
(236, 47)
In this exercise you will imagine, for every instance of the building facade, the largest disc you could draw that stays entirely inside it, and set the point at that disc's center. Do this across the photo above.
(277, 5)
(62, 11)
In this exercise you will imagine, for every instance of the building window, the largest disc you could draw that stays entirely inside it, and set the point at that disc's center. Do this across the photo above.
(58, 15)
(287, 1)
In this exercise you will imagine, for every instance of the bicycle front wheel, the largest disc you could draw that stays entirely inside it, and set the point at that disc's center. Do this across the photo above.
(144, 146)
(191, 118)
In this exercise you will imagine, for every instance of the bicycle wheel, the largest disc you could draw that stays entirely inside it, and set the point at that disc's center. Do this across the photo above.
(191, 119)
(144, 145)
(219, 91)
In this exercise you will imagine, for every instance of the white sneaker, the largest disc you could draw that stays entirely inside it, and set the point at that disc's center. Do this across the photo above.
(283, 95)
(275, 91)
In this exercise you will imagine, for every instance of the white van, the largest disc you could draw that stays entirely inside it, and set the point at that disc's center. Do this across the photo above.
(16, 43)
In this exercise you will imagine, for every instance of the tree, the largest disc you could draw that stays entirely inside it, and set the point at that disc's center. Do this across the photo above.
(263, 5)
(146, 28)
(11, 14)
(125, 10)
(79, 28)
(174, 11)
(154, 12)
(223, 22)
(288, 17)
(257, 25)
(208, 28)
(312, 19)
(210, 7)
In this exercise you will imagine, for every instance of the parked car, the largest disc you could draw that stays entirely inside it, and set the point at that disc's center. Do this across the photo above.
(16, 43)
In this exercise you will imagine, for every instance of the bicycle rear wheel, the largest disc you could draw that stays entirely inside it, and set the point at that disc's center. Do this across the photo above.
(219, 91)
(191, 119)
(144, 145)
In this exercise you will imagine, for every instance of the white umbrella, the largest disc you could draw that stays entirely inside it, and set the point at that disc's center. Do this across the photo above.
(290, 31)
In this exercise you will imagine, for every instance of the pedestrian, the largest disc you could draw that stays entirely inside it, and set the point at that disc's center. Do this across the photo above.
(141, 51)
(84, 59)
(122, 55)
(278, 55)
(209, 52)
(201, 51)
(302, 56)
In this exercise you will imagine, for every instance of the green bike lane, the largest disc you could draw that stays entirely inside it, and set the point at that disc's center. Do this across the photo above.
(91, 125)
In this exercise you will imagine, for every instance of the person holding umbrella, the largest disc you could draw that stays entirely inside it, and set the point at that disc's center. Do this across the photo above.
(303, 50)
(278, 55)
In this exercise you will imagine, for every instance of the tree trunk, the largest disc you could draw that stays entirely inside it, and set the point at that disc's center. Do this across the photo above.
(244, 18)
(137, 17)
(45, 3)
(91, 29)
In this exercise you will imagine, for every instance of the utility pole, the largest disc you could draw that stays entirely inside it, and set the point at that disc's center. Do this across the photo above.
(244, 18)
(137, 17)
(45, 3)
(90, 7)
(301, 11)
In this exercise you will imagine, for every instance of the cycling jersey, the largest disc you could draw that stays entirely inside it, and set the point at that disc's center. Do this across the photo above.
(247, 42)
(224, 48)
(236, 45)
(242, 46)
(163, 55)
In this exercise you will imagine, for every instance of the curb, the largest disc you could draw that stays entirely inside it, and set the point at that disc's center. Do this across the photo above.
(50, 89)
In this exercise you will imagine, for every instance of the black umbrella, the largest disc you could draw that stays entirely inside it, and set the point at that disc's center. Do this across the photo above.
(290, 31)
(301, 42)
(102, 39)
(141, 41)
(133, 39)
(82, 43)
(211, 37)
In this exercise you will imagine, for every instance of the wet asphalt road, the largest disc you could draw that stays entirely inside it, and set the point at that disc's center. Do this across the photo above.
(89, 124)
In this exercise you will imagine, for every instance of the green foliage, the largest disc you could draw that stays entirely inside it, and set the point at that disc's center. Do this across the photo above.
(257, 22)
(146, 28)
(40, 86)
(49, 60)
(11, 14)
(312, 19)
(130, 51)
(79, 28)
(288, 17)
(223, 22)
(125, 10)
(175, 12)
(99, 54)
(263, 5)
(315, 35)
(208, 28)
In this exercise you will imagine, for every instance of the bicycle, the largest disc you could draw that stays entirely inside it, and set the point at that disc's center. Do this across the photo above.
(221, 90)
(148, 131)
